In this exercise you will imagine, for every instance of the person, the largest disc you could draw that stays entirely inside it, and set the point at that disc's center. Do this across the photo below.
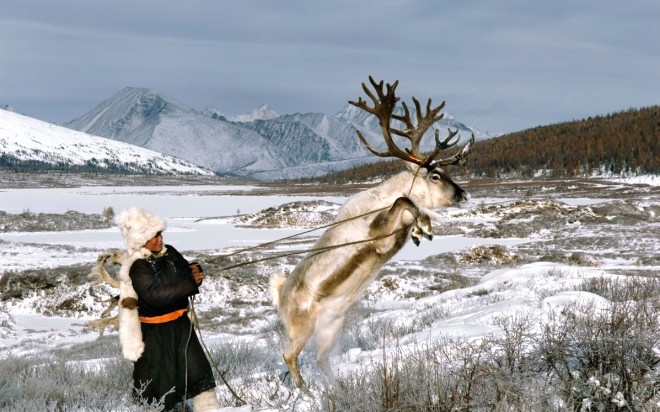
(154, 331)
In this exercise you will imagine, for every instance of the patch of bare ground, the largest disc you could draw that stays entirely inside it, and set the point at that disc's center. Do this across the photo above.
(44, 222)
(24, 180)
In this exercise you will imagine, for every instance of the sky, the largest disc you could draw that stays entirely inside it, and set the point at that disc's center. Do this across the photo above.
(500, 66)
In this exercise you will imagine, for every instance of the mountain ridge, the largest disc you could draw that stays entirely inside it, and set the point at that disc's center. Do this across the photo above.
(260, 144)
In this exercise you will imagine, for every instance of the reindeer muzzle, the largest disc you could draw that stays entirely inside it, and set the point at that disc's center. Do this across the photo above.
(460, 196)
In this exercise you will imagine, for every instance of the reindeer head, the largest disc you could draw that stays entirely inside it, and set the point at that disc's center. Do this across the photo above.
(439, 190)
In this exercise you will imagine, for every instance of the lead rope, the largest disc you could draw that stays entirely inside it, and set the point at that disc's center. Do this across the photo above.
(311, 252)
(194, 324)
(239, 400)
(185, 360)
(247, 249)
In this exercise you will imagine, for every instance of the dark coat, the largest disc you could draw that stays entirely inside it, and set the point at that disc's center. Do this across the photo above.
(163, 285)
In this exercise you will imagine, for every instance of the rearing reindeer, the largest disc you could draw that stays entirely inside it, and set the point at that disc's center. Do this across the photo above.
(376, 223)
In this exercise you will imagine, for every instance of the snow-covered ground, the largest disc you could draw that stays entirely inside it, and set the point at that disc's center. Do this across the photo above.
(546, 230)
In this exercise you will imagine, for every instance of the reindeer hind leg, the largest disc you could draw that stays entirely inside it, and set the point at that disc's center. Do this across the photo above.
(299, 330)
(328, 329)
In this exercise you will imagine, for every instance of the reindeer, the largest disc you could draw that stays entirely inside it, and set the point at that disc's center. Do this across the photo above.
(369, 229)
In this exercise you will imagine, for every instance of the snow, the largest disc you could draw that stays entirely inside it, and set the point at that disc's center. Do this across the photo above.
(651, 180)
(262, 112)
(200, 218)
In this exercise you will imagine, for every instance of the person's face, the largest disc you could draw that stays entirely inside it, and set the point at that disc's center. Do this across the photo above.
(155, 244)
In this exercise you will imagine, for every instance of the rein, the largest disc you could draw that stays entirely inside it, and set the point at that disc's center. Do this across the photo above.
(297, 252)
(313, 252)
(317, 250)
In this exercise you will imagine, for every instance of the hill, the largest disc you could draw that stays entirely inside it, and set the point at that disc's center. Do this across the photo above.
(626, 141)
(622, 142)
(28, 144)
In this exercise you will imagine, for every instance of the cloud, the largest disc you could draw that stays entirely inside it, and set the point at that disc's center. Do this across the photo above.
(501, 66)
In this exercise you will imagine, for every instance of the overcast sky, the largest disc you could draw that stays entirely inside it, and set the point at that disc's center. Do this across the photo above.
(501, 66)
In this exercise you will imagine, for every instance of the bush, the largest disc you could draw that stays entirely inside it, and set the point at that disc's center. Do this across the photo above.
(606, 360)
(582, 359)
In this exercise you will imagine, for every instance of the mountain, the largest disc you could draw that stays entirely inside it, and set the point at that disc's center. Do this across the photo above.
(262, 112)
(259, 144)
(144, 118)
(30, 143)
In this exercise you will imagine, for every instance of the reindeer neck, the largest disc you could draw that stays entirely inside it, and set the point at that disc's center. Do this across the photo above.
(385, 193)
(402, 184)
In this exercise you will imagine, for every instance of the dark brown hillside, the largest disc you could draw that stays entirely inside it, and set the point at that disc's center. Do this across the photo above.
(626, 141)
(362, 173)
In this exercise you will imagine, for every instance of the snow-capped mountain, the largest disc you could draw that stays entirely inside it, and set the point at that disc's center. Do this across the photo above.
(259, 144)
(24, 140)
(144, 118)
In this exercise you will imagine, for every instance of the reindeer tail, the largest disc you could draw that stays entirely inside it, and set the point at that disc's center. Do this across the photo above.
(276, 282)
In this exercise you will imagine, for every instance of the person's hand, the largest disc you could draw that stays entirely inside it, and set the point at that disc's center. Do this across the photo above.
(197, 272)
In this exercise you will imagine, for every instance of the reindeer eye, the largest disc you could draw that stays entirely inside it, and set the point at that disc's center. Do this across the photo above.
(436, 177)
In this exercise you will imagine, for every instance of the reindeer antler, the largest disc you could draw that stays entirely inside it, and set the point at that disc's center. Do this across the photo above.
(100, 275)
(383, 109)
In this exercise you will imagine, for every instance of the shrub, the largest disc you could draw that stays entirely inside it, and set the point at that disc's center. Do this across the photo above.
(606, 359)
(581, 359)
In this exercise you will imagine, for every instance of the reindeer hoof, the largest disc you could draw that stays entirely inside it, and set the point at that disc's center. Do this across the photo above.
(286, 378)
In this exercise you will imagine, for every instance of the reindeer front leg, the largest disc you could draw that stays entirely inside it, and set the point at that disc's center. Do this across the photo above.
(399, 221)
(421, 228)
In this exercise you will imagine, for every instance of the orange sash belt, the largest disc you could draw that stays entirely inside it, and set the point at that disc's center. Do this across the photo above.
(168, 317)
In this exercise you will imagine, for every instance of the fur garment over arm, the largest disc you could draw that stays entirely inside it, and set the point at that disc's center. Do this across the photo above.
(137, 226)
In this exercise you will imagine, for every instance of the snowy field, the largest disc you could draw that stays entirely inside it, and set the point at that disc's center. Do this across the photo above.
(522, 247)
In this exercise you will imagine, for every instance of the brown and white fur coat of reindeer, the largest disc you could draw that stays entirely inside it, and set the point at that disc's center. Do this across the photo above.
(373, 225)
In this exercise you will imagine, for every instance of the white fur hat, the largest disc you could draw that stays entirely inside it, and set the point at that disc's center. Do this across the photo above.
(138, 226)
